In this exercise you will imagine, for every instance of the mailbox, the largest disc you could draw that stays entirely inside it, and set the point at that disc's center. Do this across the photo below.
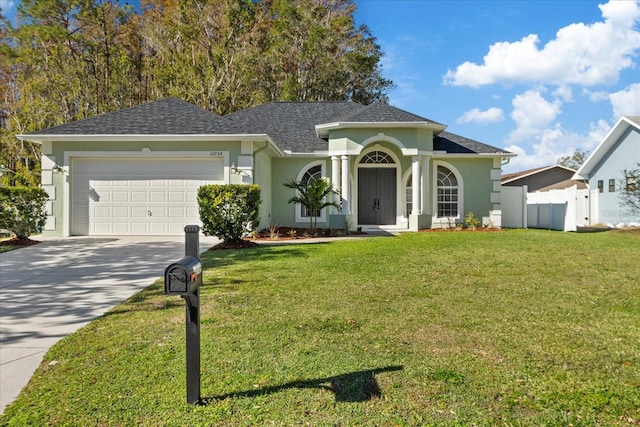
(183, 277)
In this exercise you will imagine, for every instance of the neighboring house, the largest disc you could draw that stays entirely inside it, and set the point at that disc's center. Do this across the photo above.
(136, 171)
(606, 169)
(546, 178)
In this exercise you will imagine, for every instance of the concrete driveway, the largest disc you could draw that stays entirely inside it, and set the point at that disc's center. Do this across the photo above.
(52, 289)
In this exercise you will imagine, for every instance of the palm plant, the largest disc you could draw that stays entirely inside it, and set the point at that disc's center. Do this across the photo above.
(314, 195)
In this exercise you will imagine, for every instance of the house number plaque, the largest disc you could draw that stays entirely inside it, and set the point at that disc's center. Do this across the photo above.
(215, 153)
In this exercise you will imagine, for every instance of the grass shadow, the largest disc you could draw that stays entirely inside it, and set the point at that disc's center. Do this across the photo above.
(359, 386)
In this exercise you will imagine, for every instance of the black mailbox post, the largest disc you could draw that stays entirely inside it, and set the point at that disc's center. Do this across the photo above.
(184, 278)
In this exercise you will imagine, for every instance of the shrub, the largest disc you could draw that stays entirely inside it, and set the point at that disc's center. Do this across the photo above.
(471, 221)
(229, 211)
(22, 210)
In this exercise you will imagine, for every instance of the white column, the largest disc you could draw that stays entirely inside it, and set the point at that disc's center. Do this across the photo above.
(426, 187)
(335, 181)
(345, 185)
(416, 186)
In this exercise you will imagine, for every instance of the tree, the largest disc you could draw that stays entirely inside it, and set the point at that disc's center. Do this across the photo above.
(67, 60)
(629, 194)
(573, 161)
(314, 195)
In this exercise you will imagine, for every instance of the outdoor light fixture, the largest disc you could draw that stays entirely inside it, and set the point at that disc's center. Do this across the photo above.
(234, 169)
(57, 168)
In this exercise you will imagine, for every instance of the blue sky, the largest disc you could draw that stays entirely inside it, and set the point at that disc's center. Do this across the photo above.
(539, 78)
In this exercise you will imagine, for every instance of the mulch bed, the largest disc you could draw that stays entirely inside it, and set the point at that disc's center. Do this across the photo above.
(18, 242)
(283, 233)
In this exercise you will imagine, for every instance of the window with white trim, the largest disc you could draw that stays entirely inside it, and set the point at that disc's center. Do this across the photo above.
(447, 196)
(312, 173)
(313, 170)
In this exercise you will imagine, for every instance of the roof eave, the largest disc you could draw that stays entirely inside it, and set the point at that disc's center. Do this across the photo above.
(40, 138)
(458, 155)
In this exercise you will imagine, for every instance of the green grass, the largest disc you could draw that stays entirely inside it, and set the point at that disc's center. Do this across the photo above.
(521, 327)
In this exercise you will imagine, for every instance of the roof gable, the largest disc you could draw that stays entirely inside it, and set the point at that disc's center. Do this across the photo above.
(609, 141)
(379, 112)
(169, 116)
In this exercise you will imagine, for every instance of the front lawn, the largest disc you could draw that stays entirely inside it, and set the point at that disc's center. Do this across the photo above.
(519, 327)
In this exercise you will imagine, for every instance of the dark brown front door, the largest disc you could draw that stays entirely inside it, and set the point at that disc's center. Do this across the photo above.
(376, 196)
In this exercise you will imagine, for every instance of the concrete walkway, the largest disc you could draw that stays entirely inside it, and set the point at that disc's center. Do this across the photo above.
(50, 290)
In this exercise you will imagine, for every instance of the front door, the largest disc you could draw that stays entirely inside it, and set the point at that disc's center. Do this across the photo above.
(377, 196)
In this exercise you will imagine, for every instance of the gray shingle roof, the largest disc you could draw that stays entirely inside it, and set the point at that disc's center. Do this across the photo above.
(452, 143)
(291, 125)
(169, 116)
(379, 112)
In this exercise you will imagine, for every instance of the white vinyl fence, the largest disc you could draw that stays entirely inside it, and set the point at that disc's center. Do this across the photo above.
(563, 210)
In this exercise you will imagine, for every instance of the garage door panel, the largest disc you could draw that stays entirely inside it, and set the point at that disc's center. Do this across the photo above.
(117, 197)
(139, 196)
(120, 212)
(139, 212)
(192, 212)
(157, 197)
(101, 212)
(176, 196)
(121, 196)
(138, 228)
(157, 228)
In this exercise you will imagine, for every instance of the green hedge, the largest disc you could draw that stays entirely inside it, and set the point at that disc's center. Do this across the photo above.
(22, 210)
(230, 211)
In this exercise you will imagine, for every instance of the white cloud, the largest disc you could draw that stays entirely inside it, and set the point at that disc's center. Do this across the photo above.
(564, 92)
(626, 102)
(580, 54)
(552, 144)
(532, 114)
(492, 115)
(596, 96)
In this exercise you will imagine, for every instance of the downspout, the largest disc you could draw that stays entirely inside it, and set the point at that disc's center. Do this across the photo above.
(253, 167)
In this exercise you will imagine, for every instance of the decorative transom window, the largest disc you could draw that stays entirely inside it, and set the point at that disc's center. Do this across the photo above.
(312, 173)
(447, 193)
(377, 157)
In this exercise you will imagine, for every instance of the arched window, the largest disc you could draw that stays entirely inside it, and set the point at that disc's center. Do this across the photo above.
(447, 198)
(312, 173)
(314, 170)
(377, 158)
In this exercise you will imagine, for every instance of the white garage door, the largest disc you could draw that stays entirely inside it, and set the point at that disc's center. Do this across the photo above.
(121, 196)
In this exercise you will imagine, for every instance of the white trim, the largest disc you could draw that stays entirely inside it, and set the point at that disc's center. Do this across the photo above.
(434, 186)
(322, 130)
(298, 208)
